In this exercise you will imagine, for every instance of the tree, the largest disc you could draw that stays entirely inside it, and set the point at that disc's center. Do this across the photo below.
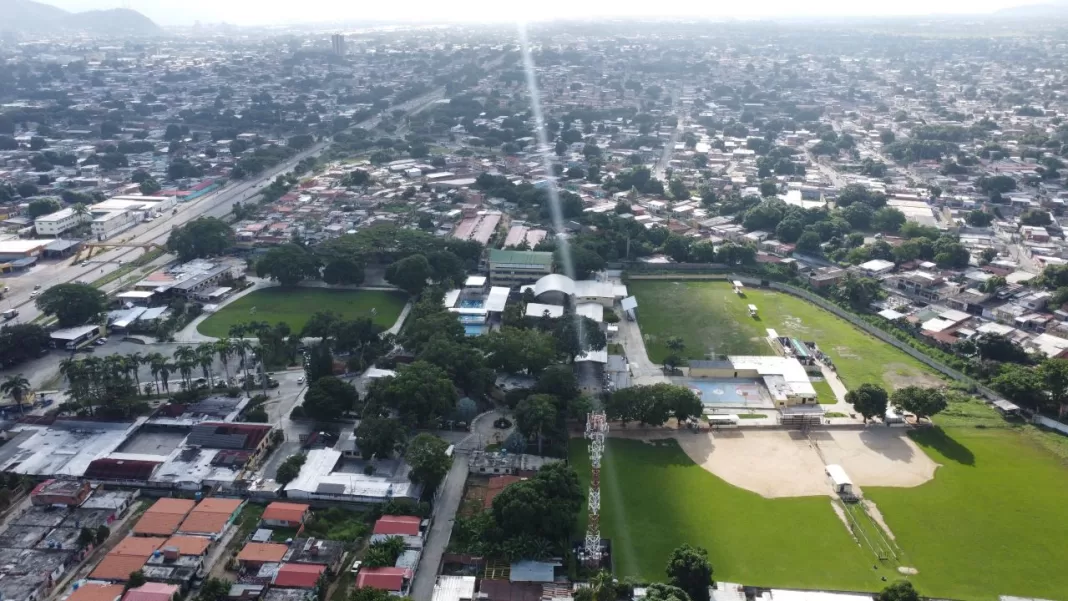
(1021, 385)
(328, 398)
(42, 206)
(665, 592)
(409, 274)
(72, 304)
(869, 400)
(380, 437)
(289, 264)
(901, 590)
(809, 242)
(17, 386)
(150, 187)
(421, 393)
(1054, 374)
(887, 220)
(979, 218)
(27, 189)
(370, 593)
(535, 415)
(102, 534)
(689, 570)
(200, 238)
(136, 579)
(543, 507)
(426, 455)
(343, 270)
(289, 469)
(921, 402)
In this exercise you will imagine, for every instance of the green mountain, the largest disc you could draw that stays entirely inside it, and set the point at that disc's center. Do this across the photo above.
(36, 17)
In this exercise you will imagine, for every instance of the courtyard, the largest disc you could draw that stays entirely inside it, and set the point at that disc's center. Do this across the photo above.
(712, 320)
(294, 306)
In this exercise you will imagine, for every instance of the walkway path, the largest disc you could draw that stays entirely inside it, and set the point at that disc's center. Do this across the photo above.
(444, 515)
(840, 391)
(643, 370)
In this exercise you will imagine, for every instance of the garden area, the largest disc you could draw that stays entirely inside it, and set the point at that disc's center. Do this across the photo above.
(294, 306)
(712, 320)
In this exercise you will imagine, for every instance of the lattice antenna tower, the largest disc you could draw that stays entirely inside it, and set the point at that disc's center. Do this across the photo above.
(596, 430)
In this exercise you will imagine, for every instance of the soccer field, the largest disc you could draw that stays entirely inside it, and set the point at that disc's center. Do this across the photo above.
(712, 320)
(295, 305)
(992, 522)
(654, 498)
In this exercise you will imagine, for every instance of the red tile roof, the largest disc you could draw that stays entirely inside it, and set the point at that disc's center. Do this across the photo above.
(92, 591)
(400, 525)
(289, 512)
(298, 575)
(262, 552)
(117, 567)
(387, 579)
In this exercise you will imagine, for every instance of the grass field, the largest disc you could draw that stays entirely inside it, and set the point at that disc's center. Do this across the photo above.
(712, 320)
(769, 542)
(993, 520)
(295, 306)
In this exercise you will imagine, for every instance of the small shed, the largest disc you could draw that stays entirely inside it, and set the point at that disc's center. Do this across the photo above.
(842, 484)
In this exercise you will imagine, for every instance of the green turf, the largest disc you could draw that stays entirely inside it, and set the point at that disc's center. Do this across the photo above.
(712, 320)
(824, 393)
(295, 306)
(654, 499)
(994, 521)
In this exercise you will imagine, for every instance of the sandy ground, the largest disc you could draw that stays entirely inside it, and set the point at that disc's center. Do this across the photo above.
(785, 463)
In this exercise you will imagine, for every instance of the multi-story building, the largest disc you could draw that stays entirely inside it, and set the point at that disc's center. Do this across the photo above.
(54, 224)
(518, 267)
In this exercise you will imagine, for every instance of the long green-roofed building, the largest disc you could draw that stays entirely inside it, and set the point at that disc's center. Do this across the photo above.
(518, 267)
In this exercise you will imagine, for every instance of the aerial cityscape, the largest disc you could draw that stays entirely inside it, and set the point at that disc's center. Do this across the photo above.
(676, 305)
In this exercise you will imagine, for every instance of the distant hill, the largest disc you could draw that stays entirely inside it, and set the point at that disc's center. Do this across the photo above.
(27, 15)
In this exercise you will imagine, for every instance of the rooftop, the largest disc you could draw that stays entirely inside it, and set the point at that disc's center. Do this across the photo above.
(397, 524)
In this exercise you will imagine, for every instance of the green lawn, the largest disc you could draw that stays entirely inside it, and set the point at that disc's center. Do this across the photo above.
(295, 306)
(796, 542)
(712, 320)
(994, 521)
(824, 393)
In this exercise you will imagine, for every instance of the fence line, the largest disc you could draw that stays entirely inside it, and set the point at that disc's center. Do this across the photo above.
(1046, 422)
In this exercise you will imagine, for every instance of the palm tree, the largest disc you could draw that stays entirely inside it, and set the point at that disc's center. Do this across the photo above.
(17, 387)
(165, 369)
(136, 361)
(155, 362)
(186, 358)
(206, 358)
(225, 348)
(238, 330)
(80, 209)
(243, 348)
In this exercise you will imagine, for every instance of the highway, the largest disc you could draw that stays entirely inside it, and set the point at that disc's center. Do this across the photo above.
(216, 204)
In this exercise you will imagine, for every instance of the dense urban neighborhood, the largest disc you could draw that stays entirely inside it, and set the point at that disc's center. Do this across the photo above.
(673, 310)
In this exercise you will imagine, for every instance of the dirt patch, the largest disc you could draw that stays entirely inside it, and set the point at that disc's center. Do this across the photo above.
(899, 375)
(781, 463)
(840, 512)
(876, 515)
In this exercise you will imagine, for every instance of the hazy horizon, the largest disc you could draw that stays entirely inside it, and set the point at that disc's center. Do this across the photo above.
(252, 12)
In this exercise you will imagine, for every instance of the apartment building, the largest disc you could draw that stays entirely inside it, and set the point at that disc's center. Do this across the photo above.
(512, 268)
(54, 224)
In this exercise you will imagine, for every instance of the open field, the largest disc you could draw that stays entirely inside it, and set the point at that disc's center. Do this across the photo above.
(993, 520)
(712, 320)
(295, 306)
(787, 542)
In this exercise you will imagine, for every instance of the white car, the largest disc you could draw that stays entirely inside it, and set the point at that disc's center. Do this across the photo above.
(34, 294)
(300, 380)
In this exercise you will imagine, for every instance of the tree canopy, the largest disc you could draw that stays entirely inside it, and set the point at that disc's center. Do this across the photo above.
(200, 238)
(72, 304)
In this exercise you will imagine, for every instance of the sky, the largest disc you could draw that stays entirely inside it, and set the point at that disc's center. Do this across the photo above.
(273, 12)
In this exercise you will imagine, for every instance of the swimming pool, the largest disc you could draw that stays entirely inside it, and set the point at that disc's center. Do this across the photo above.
(473, 330)
(741, 392)
(471, 304)
(472, 319)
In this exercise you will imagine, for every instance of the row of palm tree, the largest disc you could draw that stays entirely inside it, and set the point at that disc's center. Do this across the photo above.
(95, 381)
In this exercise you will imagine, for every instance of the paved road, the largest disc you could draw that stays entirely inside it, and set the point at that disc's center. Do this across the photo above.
(440, 531)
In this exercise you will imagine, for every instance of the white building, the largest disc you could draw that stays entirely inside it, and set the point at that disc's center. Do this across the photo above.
(107, 223)
(61, 221)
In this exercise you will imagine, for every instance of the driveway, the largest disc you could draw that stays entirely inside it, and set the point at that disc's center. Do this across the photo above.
(643, 371)
(444, 514)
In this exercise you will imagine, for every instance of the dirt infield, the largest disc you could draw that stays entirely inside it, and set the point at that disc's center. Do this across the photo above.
(784, 463)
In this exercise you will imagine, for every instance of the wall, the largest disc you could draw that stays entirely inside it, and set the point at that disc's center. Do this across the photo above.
(1048, 423)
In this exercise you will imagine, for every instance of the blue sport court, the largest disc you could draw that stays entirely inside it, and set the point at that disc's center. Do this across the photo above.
(728, 391)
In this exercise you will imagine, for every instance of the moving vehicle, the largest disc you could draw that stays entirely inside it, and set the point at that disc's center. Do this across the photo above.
(100, 341)
(35, 294)
(10, 314)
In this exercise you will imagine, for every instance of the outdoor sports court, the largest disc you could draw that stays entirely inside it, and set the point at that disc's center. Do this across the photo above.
(730, 392)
